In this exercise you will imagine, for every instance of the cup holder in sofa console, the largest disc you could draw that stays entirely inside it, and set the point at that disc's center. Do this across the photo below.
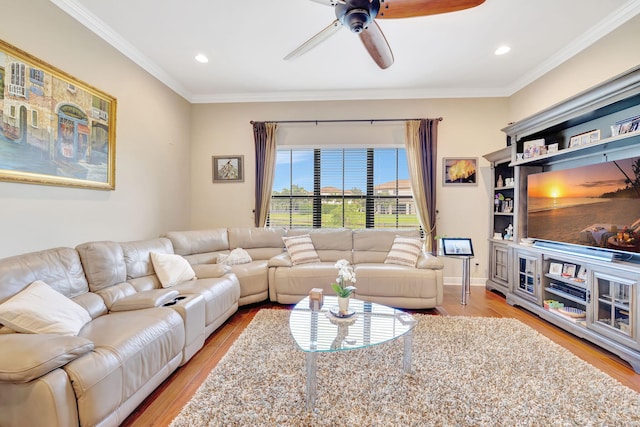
(174, 301)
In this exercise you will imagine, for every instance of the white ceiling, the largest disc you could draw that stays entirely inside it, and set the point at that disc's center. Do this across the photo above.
(448, 55)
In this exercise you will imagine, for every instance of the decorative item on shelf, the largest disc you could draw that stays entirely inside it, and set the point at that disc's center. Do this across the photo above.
(507, 205)
(497, 236)
(584, 138)
(316, 299)
(552, 148)
(497, 201)
(508, 232)
(568, 270)
(632, 124)
(532, 148)
(508, 182)
(346, 275)
(519, 157)
(500, 182)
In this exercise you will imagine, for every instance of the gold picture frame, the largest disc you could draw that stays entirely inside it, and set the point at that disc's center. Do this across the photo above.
(54, 128)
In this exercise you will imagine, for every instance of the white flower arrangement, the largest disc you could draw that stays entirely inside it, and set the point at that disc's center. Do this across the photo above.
(346, 275)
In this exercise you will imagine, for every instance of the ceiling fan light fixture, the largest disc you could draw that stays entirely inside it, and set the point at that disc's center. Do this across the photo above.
(502, 50)
(357, 20)
(202, 58)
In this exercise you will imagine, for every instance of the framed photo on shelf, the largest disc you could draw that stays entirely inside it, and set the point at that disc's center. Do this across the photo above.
(228, 169)
(582, 273)
(584, 138)
(555, 268)
(460, 171)
(534, 148)
(552, 148)
(631, 124)
(568, 270)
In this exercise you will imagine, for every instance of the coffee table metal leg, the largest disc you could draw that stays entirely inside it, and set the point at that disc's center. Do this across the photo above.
(312, 363)
(406, 357)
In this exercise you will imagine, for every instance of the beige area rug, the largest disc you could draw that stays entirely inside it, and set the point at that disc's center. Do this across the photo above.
(468, 371)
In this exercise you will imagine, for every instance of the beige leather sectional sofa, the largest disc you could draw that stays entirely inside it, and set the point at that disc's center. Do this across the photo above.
(138, 332)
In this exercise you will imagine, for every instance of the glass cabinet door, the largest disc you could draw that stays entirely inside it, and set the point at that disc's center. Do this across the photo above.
(528, 275)
(500, 264)
(614, 303)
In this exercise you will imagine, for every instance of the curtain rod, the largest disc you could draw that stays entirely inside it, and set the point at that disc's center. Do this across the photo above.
(341, 120)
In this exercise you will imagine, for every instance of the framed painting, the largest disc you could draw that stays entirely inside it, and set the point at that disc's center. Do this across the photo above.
(54, 128)
(458, 171)
(228, 168)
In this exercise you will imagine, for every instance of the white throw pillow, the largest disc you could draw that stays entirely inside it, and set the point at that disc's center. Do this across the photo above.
(404, 251)
(40, 309)
(171, 269)
(301, 249)
(236, 256)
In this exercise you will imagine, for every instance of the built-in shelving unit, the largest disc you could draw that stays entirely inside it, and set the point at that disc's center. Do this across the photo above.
(594, 297)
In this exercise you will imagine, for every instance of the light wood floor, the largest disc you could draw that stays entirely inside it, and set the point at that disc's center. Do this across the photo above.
(161, 407)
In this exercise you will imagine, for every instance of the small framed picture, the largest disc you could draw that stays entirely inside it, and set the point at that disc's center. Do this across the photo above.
(631, 124)
(459, 171)
(533, 148)
(555, 268)
(552, 148)
(584, 138)
(582, 273)
(568, 270)
(228, 168)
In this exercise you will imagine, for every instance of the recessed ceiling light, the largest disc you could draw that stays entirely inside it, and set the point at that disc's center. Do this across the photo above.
(201, 58)
(502, 50)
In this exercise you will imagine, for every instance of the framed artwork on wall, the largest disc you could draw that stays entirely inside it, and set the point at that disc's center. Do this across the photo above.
(54, 128)
(459, 171)
(228, 169)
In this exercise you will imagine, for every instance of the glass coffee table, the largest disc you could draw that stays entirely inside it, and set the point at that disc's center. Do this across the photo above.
(371, 324)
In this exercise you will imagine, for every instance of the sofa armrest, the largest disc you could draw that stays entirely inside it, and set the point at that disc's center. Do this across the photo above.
(145, 299)
(34, 355)
(213, 271)
(280, 260)
(429, 261)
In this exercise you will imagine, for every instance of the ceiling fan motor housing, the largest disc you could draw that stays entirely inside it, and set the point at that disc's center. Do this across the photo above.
(357, 14)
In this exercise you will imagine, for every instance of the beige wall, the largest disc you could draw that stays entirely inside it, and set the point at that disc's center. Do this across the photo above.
(471, 128)
(610, 56)
(152, 155)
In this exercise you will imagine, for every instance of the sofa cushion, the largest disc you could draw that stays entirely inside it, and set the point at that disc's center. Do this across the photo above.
(405, 251)
(198, 241)
(171, 269)
(137, 256)
(60, 268)
(39, 309)
(32, 356)
(103, 264)
(301, 249)
(235, 257)
(205, 271)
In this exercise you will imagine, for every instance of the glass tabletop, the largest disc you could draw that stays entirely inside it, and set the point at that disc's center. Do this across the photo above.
(316, 331)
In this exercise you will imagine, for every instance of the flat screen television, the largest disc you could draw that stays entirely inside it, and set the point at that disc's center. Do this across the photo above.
(596, 205)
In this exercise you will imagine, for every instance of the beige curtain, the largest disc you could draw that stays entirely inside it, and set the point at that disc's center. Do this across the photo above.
(421, 143)
(264, 135)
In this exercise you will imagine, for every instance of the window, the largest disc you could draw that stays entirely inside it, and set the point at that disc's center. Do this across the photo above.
(17, 85)
(353, 188)
(34, 118)
(36, 76)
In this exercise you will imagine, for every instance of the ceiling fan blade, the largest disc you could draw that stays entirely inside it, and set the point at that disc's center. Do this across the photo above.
(392, 9)
(329, 2)
(377, 46)
(314, 41)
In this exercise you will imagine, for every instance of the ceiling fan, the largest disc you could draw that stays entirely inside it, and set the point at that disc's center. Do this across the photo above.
(360, 17)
